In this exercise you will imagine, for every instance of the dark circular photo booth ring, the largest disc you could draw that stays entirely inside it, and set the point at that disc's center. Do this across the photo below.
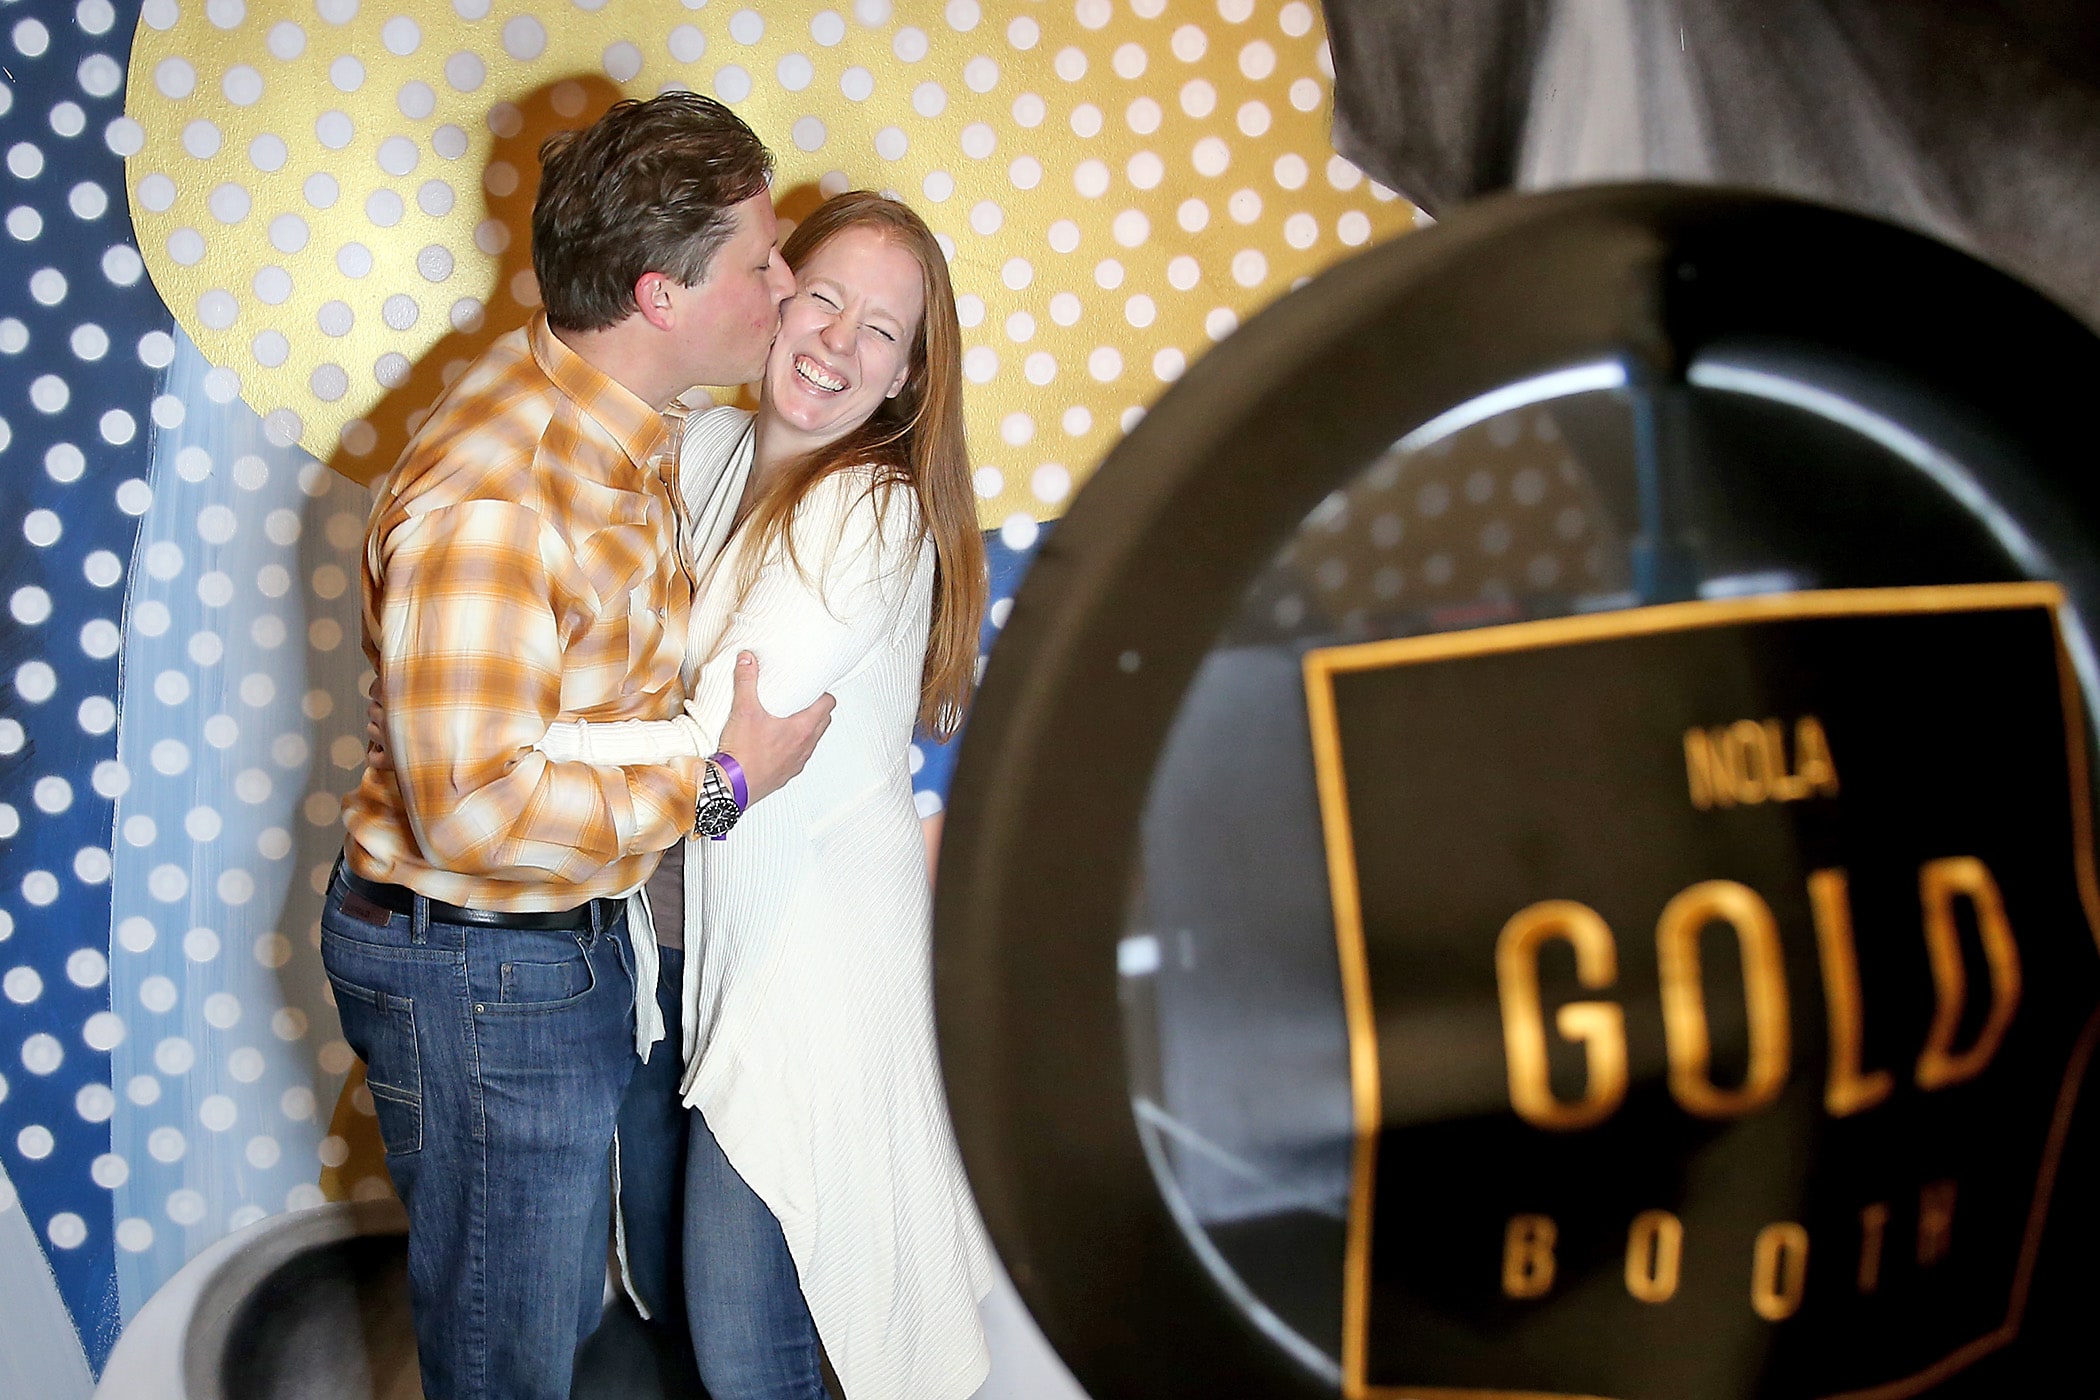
(1696, 903)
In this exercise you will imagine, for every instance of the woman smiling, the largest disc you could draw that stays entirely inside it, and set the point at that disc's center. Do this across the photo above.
(824, 1196)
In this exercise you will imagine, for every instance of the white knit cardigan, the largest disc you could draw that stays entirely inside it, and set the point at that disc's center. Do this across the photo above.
(808, 999)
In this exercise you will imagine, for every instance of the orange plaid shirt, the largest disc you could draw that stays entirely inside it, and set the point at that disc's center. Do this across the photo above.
(520, 567)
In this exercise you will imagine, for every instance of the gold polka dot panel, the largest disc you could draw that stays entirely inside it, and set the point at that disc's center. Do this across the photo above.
(333, 196)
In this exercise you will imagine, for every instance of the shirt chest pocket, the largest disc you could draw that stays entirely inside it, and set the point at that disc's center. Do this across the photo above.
(653, 650)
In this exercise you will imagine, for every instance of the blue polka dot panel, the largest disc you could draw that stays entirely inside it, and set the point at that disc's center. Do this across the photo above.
(246, 243)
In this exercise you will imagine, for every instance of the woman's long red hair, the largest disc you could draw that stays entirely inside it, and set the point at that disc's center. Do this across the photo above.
(914, 439)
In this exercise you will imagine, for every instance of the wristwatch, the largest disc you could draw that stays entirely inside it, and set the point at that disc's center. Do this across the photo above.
(723, 796)
(717, 810)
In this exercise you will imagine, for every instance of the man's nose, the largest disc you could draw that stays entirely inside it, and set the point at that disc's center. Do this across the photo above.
(782, 281)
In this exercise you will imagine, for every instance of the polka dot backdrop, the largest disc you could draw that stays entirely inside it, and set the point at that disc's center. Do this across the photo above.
(332, 197)
(242, 732)
(82, 341)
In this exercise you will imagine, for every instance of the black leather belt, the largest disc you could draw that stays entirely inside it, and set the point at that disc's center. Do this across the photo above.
(399, 899)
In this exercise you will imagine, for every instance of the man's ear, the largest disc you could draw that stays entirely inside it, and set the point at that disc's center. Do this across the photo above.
(652, 299)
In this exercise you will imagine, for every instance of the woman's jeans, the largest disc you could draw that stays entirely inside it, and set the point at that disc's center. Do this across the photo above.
(752, 1332)
(687, 1212)
(496, 1059)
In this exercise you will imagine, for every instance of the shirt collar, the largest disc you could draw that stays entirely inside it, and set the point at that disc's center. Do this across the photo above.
(637, 427)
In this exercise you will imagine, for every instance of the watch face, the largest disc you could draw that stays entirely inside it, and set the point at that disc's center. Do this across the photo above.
(716, 816)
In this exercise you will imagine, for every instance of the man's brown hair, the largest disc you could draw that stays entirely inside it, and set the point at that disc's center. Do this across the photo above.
(649, 187)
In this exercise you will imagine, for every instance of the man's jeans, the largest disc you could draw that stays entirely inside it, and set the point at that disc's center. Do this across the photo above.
(496, 1060)
(652, 1160)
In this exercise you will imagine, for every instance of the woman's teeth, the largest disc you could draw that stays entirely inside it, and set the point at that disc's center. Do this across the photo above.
(817, 376)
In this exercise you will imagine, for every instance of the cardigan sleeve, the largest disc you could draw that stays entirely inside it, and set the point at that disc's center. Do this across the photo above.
(811, 616)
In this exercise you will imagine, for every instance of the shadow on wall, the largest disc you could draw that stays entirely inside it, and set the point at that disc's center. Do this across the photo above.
(509, 184)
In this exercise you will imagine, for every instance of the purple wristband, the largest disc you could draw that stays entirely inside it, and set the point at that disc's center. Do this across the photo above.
(738, 786)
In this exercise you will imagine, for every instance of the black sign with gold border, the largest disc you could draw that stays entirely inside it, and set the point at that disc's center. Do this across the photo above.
(1627, 854)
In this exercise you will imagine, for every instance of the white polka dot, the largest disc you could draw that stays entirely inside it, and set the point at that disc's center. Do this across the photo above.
(134, 1235)
(49, 393)
(1306, 95)
(1064, 308)
(732, 83)
(42, 528)
(1025, 173)
(1023, 33)
(1145, 170)
(122, 265)
(808, 133)
(1129, 61)
(1108, 274)
(242, 85)
(1090, 178)
(1244, 206)
(1050, 483)
(99, 75)
(98, 714)
(166, 1144)
(103, 1032)
(1017, 273)
(1353, 228)
(1198, 98)
(1078, 421)
(66, 1230)
(980, 363)
(1140, 311)
(938, 185)
(1220, 323)
(1016, 429)
(42, 1054)
(186, 1207)
(986, 217)
(35, 681)
(29, 605)
(466, 72)
(1210, 156)
(857, 83)
(1020, 327)
(524, 38)
(286, 41)
(1070, 64)
(1105, 364)
(1018, 532)
(929, 99)
(1249, 267)
(1040, 368)
(22, 985)
(988, 483)
(110, 1171)
(1029, 110)
(334, 129)
(175, 77)
(1131, 228)
(980, 74)
(25, 161)
(1343, 174)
